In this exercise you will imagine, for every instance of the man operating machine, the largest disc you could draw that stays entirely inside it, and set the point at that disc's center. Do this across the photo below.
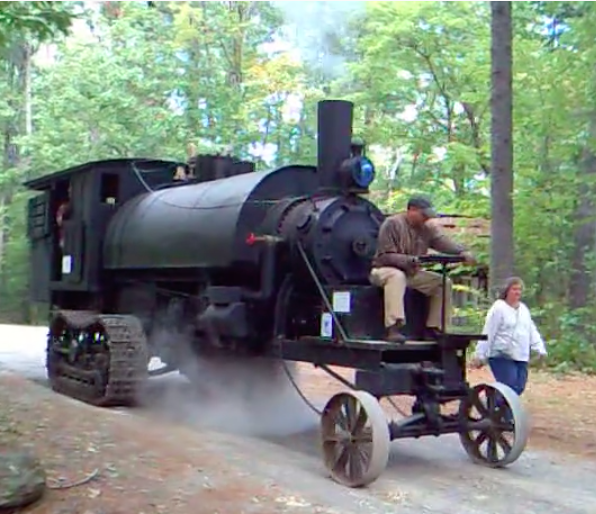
(402, 238)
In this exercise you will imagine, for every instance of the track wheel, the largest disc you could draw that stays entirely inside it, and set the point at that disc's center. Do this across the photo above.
(95, 358)
(495, 426)
(355, 437)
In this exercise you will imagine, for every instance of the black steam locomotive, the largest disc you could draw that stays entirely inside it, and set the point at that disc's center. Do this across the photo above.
(268, 264)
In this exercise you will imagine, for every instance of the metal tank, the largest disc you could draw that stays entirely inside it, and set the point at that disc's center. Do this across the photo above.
(206, 225)
(201, 225)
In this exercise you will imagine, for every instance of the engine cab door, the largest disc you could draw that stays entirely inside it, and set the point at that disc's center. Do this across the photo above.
(39, 232)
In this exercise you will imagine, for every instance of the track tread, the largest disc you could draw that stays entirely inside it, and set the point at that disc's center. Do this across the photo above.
(128, 359)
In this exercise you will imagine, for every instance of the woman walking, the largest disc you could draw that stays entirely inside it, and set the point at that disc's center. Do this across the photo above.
(512, 335)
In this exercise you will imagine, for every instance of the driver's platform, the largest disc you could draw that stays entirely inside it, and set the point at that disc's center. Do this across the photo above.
(353, 334)
(371, 354)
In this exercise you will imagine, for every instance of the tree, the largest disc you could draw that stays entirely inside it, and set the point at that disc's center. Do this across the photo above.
(501, 254)
(22, 26)
(42, 20)
(147, 80)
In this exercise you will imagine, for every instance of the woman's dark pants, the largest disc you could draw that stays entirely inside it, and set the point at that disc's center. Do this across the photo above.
(511, 373)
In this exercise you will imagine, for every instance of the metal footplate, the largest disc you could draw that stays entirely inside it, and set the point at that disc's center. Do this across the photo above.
(99, 359)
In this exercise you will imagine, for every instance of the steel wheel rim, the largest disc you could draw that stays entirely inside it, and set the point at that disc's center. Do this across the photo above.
(355, 438)
(501, 441)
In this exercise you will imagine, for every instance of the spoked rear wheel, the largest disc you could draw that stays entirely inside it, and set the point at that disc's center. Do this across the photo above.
(355, 437)
(495, 425)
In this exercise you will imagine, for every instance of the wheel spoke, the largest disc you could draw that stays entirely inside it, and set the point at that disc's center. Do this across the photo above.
(491, 401)
(365, 453)
(360, 422)
(365, 436)
(492, 450)
(342, 459)
(498, 409)
(351, 412)
(341, 421)
(474, 419)
(352, 469)
(480, 407)
(482, 437)
(503, 443)
(501, 417)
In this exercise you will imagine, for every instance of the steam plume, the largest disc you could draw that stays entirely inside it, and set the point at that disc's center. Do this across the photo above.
(316, 30)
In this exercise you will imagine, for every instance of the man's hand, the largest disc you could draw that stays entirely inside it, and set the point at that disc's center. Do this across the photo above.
(468, 258)
(414, 266)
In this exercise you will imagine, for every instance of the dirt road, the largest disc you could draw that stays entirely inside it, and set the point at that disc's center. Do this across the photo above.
(174, 455)
(148, 463)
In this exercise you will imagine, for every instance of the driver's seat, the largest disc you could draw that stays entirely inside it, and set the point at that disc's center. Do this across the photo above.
(416, 306)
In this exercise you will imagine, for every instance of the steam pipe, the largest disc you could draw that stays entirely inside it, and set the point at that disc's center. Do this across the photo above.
(334, 139)
(268, 269)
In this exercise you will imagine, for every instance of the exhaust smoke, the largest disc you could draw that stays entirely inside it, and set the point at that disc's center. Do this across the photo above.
(246, 396)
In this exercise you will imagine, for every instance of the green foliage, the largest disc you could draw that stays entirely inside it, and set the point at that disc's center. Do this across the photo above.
(149, 81)
(41, 20)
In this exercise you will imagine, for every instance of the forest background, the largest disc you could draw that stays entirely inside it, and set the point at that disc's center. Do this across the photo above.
(81, 81)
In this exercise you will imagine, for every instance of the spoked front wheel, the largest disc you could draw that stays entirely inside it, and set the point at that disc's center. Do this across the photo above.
(495, 426)
(355, 437)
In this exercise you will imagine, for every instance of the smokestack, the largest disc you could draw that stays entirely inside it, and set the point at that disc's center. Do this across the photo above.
(334, 127)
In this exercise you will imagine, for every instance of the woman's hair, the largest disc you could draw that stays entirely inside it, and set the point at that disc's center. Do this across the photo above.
(508, 284)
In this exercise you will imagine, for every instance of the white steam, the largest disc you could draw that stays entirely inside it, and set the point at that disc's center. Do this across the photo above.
(252, 397)
(317, 31)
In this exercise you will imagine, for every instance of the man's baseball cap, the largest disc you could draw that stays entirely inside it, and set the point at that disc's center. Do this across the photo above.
(424, 204)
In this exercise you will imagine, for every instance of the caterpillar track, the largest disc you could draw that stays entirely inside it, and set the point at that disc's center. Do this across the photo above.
(100, 359)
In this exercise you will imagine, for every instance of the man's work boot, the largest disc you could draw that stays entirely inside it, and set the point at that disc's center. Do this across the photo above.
(394, 335)
(433, 333)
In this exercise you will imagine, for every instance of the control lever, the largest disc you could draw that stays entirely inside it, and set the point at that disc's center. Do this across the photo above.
(440, 259)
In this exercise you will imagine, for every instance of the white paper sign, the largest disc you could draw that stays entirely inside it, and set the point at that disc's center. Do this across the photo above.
(326, 325)
(342, 301)
(66, 264)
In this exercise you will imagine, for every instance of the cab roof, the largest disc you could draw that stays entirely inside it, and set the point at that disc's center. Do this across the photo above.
(47, 181)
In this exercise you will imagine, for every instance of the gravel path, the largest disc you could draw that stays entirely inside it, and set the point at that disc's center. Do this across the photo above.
(423, 476)
(435, 476)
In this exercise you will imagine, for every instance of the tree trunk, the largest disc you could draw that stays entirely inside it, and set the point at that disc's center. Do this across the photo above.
(580, 284)
(501, 189)
(17, 67)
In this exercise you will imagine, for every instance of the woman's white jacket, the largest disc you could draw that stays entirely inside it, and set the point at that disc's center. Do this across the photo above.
(511, 333)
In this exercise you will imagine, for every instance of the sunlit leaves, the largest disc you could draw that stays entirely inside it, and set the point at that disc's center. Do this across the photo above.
(41, 20)
(430, 58)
